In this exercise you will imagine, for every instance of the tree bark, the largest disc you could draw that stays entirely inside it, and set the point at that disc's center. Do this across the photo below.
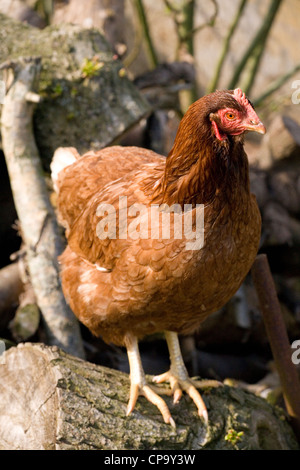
(51, 400)
(40, 232)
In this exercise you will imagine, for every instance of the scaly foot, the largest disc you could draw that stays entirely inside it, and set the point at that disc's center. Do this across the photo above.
(184, 383)
(179, 379)
(146, 391)
(138, 384)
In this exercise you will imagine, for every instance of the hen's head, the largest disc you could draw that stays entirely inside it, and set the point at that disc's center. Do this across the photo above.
(233, 114)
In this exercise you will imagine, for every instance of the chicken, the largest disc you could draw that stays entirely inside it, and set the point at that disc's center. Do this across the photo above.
(123, 280)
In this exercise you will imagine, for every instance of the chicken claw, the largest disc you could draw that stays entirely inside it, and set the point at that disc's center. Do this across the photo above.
(138, 385)
(179, 380)
(152, 397)
(178, 385)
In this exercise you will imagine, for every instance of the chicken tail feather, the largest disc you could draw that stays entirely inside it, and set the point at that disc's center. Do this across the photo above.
(63, 156)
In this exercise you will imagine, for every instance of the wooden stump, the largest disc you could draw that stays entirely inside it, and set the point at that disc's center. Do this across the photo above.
(51, 400)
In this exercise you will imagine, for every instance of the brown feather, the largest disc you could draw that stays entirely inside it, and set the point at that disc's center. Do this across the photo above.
(156, 284)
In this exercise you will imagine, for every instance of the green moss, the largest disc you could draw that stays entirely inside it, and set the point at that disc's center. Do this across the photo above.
(57, 91)
(233, 436)
(91, 67)
(74, 91)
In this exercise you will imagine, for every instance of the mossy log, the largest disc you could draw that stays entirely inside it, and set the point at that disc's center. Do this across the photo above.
(88, 101)
(51, 400)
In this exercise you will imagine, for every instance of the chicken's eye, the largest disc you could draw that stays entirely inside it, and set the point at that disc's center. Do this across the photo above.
(230, 116)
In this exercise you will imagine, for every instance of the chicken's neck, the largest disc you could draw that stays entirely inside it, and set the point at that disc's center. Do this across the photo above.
(199, 174)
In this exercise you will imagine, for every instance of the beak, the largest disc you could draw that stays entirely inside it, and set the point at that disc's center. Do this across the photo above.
(256, 126)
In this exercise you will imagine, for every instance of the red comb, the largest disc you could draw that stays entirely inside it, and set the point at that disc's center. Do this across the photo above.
(240, 97)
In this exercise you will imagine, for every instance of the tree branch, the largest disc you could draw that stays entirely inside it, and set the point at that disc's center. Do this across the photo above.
(38, 222)
(256, 46)
(215, 81)
(143, 20)
(276, 85)
(278, 338)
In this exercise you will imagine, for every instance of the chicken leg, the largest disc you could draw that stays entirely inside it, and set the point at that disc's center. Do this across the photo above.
(138, 384)
(179, 379)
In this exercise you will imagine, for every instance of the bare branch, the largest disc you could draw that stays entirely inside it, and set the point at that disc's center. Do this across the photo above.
(211, 22)
(226, 46)
(258, 41)
(276, 85)
(278, 338)
(145, 27)
(38, 222)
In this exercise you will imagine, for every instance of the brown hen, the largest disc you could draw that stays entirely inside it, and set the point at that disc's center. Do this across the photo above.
(127, 271)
